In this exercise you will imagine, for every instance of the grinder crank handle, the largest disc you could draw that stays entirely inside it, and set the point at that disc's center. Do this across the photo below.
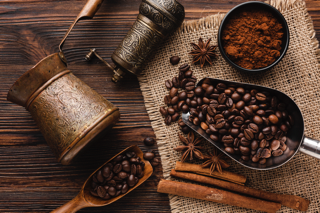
(87, 12)
(310, 147)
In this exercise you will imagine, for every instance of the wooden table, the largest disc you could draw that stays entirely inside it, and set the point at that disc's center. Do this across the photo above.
(30, 178)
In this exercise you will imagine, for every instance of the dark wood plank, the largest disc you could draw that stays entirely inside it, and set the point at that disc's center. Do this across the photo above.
(31, 179)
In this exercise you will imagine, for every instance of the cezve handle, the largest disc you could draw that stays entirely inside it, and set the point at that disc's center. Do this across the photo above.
(87, 12)
(310, 147)
(73, 205)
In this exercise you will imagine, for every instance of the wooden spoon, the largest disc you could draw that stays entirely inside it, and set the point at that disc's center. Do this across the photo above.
(85, 199)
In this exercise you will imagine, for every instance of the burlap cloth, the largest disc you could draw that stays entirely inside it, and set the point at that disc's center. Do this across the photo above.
(296, 75)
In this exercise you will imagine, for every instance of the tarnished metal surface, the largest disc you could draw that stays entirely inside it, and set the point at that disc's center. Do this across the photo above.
(67, 111)
(156, 20)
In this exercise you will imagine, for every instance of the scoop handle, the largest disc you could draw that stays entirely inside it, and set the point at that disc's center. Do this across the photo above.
(310, 147)
(73, 205)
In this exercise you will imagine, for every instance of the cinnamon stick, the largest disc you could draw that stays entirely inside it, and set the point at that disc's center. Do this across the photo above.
(291, 201)
(216, 195)
(195, 168)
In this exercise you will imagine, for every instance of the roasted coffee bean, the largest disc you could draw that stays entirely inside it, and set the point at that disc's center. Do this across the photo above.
(254, 145)
(221, 87)
(173, 92)
(183, 83)
(209, 90)
(260, 97)
(112, 183)
(148, 141)
(106, 171)
(180, 104)
(244, 150)
(253, 127)
(131, 180)
(261, 112)
(168, 120)
(263, 143)
(284, 128)
(275, 144)
(239, 120)
(185, 108)
(227, 139)
(196, 121)
(99, 177)
(182, 95)
(188, 74)
(167, 99)
(174, 100)
(175, 117)
(245, 142)
(174, 60)
(274, 130)
(248, 110)
(246, 97)
(125, 188)
(240, 104)
(220, 123)
(133, 169)
(211, 110)
(248, 134)
(170, 110)
(148, 156)
(163, 111)
(235, 97)
(229, 150)
(180, 77)
(257, 119)
(117, 168)
(168, 84)
(277, 152)
(101, 191)
(273, 119)
(243, 114)
(190, 86)
(266, 153)
(175, 82)
(155, 162)
(222, 98)
(184, 67)
(214, 138)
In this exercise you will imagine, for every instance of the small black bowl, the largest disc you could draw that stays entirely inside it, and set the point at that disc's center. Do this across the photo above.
(265, 7)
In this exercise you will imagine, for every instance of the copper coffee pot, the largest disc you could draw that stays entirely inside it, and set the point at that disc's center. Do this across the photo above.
(67, 111)
(156, 20)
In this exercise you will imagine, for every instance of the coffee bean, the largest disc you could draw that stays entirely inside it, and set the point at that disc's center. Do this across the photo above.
(167, 99)
(170, 110)
(260, 97)
(257, 119)
(248, 134)
(101, 191)
(246, 97)
(274, 130)
(183, 83)
(222, 98)
(244, 150)
(163, 111)
(245, 142)
(221, 87)
(148, 156)
(117, 168)
(275, 144)
(185, 108)
(181, 77)
(168, 120)
(229, 150)
(239, 120)
(284, 128)
(190, 86)
(227, 139)
(184, 67)
(168, 84)
(175, 117)
(266, 153)
(236, 97)
(273, 119)
(125, 188)
(133, 169)
(173, 92)
(188, 74)
(174, 60)
(277, 152)
(248, 110)
(254, 145)
(196, 121)
(155, 162)
(174, 100)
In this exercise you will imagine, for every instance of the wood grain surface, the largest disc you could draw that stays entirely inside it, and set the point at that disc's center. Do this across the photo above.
(31, 180)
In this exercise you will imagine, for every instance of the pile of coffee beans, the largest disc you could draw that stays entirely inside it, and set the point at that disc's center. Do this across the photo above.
(118, 176)
(247, 122)
(179, 98)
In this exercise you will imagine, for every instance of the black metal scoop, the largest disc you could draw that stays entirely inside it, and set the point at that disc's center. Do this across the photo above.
(296, 140)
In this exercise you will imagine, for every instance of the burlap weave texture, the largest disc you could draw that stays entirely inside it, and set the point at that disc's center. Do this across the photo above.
(296, 75)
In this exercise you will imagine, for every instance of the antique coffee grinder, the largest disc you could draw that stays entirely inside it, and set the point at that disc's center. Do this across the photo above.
(156, 20)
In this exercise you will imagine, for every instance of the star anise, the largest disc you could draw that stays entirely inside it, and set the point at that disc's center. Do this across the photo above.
(215, 161)
(203, 52)
(190, 147)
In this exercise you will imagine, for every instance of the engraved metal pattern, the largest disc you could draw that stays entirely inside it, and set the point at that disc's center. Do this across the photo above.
(143, 38)
(65, 109)
(138, 43)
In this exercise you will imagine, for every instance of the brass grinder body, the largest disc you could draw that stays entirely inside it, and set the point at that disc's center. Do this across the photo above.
(156, 20)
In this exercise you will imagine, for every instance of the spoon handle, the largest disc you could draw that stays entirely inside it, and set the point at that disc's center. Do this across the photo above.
(72, 206)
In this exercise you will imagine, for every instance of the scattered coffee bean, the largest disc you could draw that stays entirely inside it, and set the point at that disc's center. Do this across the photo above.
(148, 141)
(174, 60)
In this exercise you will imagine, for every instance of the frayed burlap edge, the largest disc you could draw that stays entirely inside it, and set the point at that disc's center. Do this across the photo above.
(208, 22)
